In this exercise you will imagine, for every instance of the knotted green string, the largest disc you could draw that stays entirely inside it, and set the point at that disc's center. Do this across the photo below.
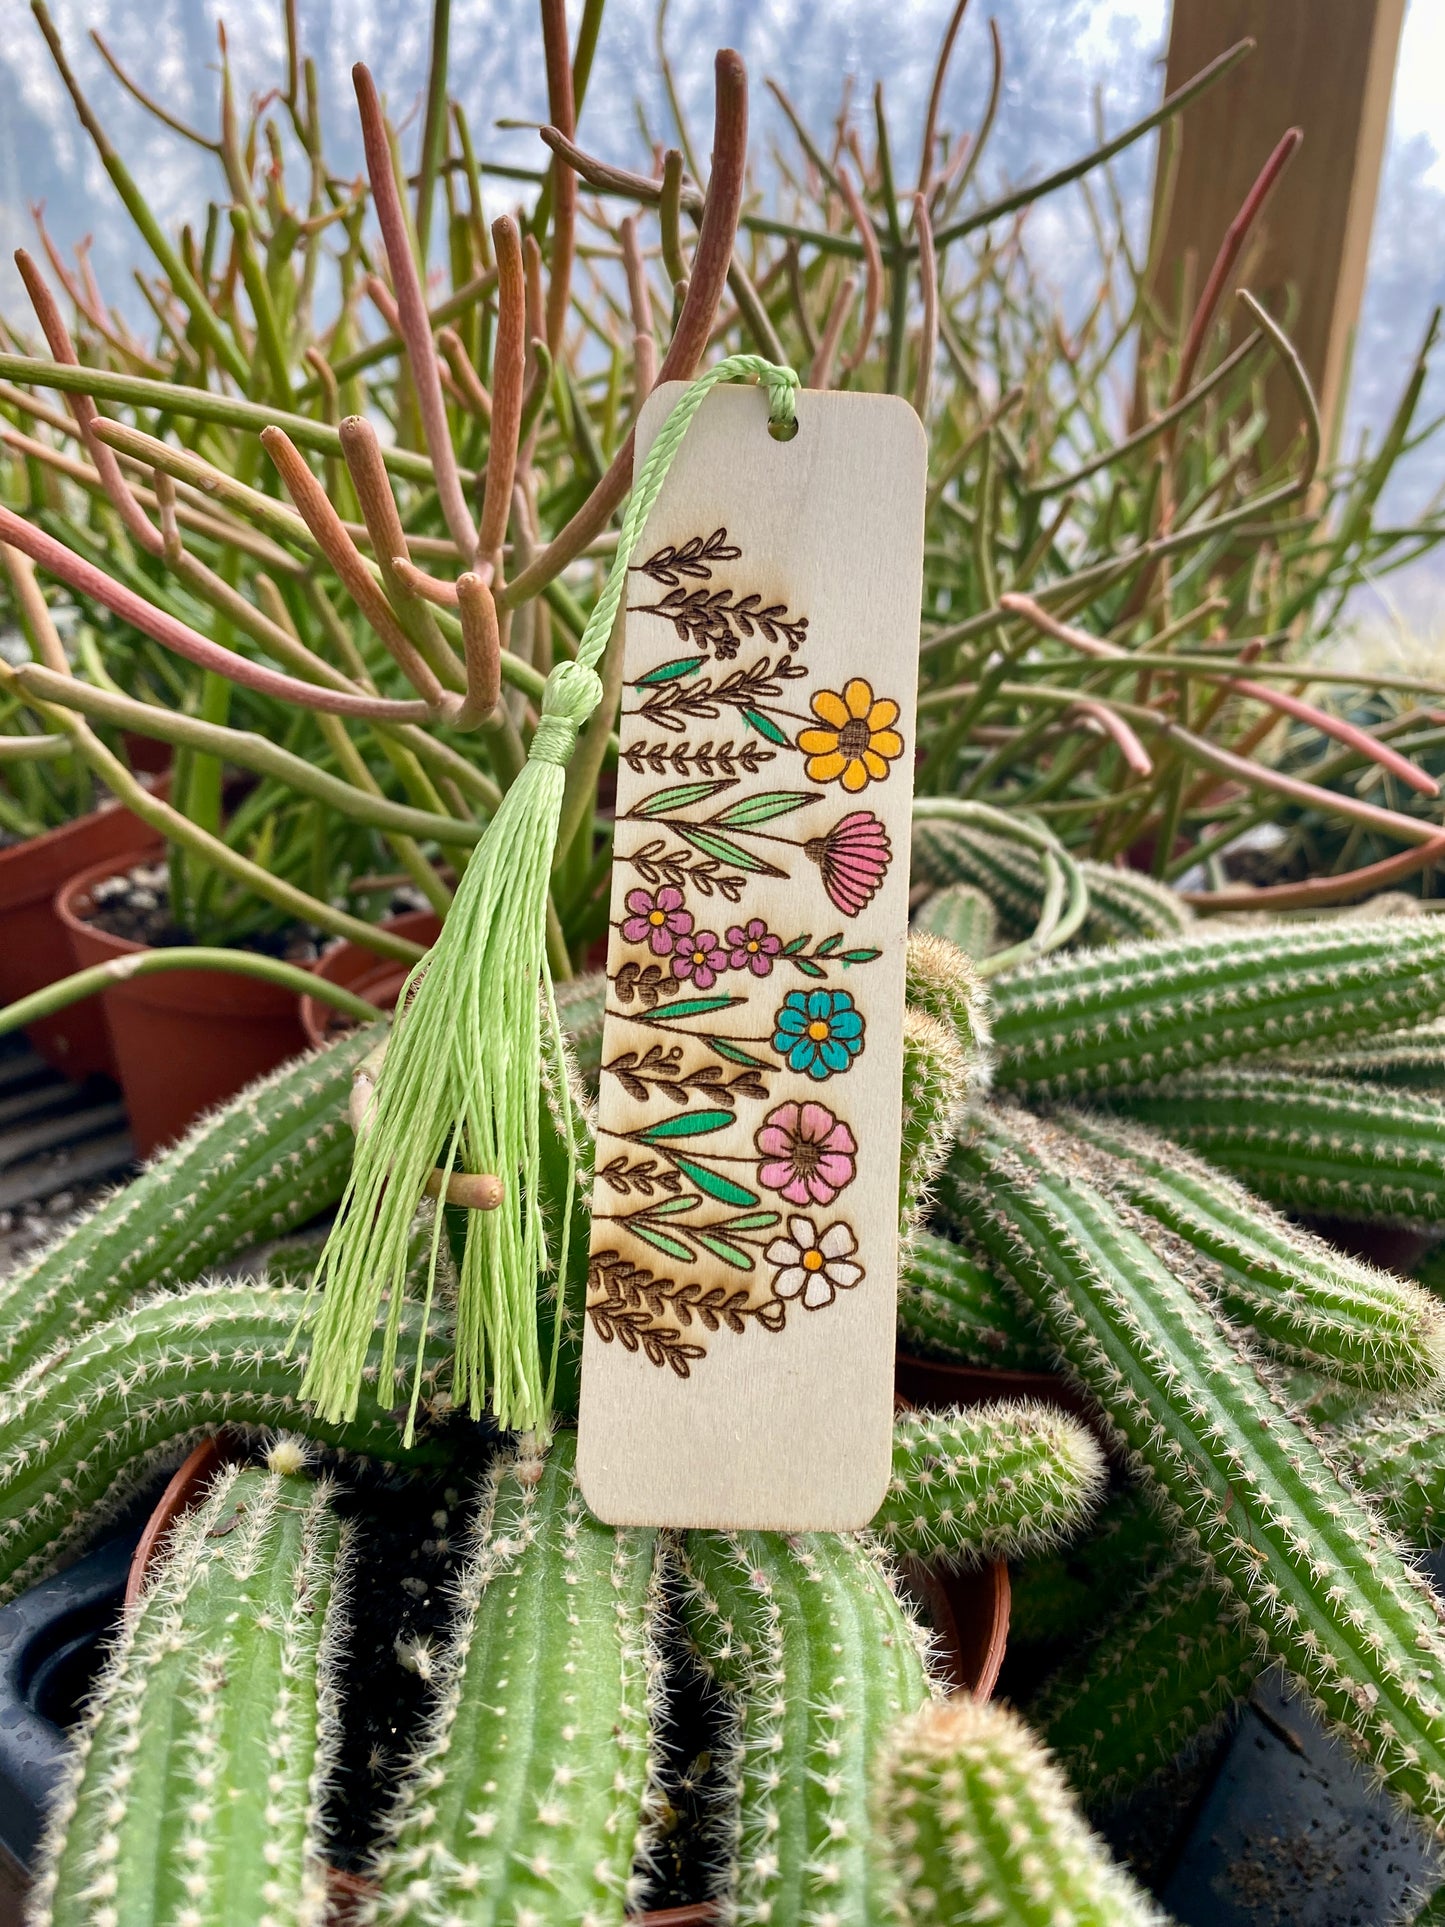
(460, 1085)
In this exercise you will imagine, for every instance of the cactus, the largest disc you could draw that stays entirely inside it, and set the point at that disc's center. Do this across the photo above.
(935, 1080)
(266, 1161)
(962, 915)
(195, 1787)
(997, 1481)
(1307, 1303)
(1311, 1143)
(943, 984)
(816, 1659)
(1239, 1479)
(528, 1797)
(1162, 1672)
(977, 1824)
(1059, 1599)
(581, 1005)
(1396, 1456)
(1147, 1011)
(88, 1425)
(950, 1307)
(1412, 1059)
(1123, 905)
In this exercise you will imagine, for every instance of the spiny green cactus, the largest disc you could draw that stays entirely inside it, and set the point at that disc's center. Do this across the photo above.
(1241, 1481)
(1412, 1059)
(1060, 1599)
(1306, 1302)
(997, 1481)
(266, 1161)
(529, 1796)
(1146, 1011)
(581, 1005)
(817, 1660)
(950, 1307)
(1310, 1143)
(194, 1795)
(1162, 1671)
(962, 915)
(88, 1426)
(1123, 905)
(1396, 1455)
(941, 981)
(977, 1824)
(935, 1081)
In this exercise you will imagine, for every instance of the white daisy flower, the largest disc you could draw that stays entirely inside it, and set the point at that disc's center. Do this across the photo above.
(814, 1267)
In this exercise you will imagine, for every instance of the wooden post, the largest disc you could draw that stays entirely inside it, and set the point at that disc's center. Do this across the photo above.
(1327, 66)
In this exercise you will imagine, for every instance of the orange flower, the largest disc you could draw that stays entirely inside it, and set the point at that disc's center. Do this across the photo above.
(857, 741)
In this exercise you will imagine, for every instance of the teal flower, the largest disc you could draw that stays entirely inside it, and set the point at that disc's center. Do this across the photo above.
(818, 1031)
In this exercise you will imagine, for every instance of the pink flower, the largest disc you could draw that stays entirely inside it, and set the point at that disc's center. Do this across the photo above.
(807, 1153)
(752, 946)
(699, 957)
(854, 857)
(658, 919)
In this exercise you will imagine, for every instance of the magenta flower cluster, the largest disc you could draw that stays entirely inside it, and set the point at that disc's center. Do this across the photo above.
(659, 919)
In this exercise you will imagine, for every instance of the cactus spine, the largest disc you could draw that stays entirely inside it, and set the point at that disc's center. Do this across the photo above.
(1146, 1011)
(978, 1825)
(1309, 1305)
(1060, 1599)
(1163, 1671)
(949, 1306)
(998, 1481)
(962, 915)
(1411, 1059)
(1319, 1574)
(818, 1660)
(263, 1163)
(528, 1798)
(1397, 1458)
(88, 1426)
(196, 1784)
(1311, 1143)
(581, 1005)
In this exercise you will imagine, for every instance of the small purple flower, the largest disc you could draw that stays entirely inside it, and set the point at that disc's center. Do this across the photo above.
(752, 946)
(699, 958)
(658, 920)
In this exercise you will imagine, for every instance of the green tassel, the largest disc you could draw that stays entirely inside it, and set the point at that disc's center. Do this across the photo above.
(461, 1083)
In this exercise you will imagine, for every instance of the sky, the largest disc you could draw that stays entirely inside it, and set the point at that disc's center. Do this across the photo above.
(1057, 53)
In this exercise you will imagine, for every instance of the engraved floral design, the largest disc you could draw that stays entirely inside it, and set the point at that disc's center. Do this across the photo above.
(699, 958)
(857, 740)
(814, 1266)
(752, 946)
(818, 1032)
(807, 1153)
(656, 918)
(854, 857)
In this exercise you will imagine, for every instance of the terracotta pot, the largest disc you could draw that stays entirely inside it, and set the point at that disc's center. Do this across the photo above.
(187, 1487)
(378, 979)
(36, 949)
(186, 1040)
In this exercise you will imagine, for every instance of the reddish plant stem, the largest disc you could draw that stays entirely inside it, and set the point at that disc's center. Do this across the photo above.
(1320, 892)
(509, 362)
(562, 109)
(872, 269)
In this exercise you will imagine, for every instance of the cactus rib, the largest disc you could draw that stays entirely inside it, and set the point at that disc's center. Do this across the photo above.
(530, 1792)
(1318, 1572)
(1142, 1012)
(1397, 1458)
(817, 1659)
(950, 1307)
(87, 1427)
(1307, 1303)
(260, 1165)
(979, 1825)
(997, 1481)
(195, 1789)
(963, 915)
(1311, 1143)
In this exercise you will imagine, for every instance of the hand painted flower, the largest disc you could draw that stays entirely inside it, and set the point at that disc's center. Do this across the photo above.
(699, 959)
(818, 1031)
(857, 741)
(812, 1267)
(752, 946)
(854, 858)
(658, 920)
(807, 1154)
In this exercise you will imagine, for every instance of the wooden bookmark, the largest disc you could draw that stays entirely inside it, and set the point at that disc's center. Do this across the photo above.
(738, 1354)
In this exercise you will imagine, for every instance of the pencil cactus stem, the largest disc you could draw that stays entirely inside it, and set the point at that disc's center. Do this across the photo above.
(195, 1786)
(1308, 1304)
(1321, 1578)
(997, 1481)
(92, 1421)
(977, 1823)
(816, 1660)
(530, 1793)
(1142, 1012)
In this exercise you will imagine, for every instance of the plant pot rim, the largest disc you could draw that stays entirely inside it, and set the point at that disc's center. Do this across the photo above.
(48, 848)
(354, 967)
